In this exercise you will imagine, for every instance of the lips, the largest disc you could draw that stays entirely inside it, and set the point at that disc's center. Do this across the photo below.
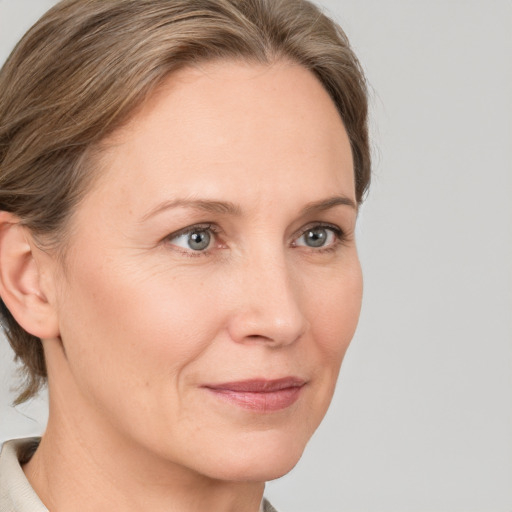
(260, 395)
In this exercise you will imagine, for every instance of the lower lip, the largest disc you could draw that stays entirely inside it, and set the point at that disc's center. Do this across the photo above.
(268, 401)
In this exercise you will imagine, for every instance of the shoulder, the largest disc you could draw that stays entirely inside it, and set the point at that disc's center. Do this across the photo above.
(16, 494)
(267, 507)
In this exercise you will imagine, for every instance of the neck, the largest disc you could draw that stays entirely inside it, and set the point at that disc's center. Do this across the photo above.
(81, 468)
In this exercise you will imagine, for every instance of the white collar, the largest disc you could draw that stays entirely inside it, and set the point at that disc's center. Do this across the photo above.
(17, 494)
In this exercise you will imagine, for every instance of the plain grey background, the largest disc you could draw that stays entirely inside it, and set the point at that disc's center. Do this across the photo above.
(422, 417)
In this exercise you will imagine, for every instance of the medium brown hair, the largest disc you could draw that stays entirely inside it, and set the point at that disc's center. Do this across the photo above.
(82, 70)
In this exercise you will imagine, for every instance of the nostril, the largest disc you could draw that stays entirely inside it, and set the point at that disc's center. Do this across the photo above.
(258, 337)
(270, 335)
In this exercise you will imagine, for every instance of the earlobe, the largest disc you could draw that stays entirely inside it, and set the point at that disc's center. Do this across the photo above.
(20, 280)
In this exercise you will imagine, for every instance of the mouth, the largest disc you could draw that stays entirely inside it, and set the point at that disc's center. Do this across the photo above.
(260, 395)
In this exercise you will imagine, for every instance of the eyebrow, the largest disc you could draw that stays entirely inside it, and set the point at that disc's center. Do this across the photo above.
(205, 205)
(327, 204)
(229, 208)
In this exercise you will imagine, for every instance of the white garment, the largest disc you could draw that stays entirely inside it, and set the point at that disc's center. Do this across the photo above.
(17, 495)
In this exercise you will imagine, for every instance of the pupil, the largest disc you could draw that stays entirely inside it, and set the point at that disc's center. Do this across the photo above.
(316, 237)
(199, 240)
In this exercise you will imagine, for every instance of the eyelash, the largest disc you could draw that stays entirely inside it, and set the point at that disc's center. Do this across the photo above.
(212, 228)
(339, 234)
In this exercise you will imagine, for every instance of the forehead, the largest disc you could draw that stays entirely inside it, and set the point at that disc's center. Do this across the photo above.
(230, 129)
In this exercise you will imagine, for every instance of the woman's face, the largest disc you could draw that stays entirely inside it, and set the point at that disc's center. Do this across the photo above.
(211, 283)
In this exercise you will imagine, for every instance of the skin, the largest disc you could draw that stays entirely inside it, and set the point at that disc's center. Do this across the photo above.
(143, 322)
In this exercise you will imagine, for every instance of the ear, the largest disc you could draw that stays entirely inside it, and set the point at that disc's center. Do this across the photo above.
(20, 280)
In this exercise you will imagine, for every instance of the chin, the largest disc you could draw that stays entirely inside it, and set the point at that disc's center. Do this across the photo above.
(264, 457)
(256, 469)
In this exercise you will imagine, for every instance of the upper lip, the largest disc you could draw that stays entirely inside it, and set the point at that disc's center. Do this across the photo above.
(258, 385)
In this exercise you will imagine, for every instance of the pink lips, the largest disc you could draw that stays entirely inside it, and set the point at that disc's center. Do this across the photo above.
(260, 395)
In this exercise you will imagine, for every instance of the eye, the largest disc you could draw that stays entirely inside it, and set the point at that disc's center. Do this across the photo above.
(318, 237)
(195, 238)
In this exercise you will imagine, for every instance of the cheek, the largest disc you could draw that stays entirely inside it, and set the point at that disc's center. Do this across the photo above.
(335, 310)
(135, 329)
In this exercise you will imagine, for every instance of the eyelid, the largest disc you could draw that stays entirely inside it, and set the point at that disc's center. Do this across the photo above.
(207, 226)
(319, 224)
(338, 232)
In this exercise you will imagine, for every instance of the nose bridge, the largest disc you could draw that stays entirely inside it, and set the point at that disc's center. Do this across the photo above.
(270, 309)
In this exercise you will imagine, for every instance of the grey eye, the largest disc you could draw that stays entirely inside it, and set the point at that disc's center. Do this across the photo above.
(199, 240)
(319, 236)
(316, 237)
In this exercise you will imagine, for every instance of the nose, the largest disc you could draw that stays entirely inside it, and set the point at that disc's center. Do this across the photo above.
(269, 308)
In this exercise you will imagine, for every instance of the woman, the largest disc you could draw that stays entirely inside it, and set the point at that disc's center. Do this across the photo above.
(179, 185)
